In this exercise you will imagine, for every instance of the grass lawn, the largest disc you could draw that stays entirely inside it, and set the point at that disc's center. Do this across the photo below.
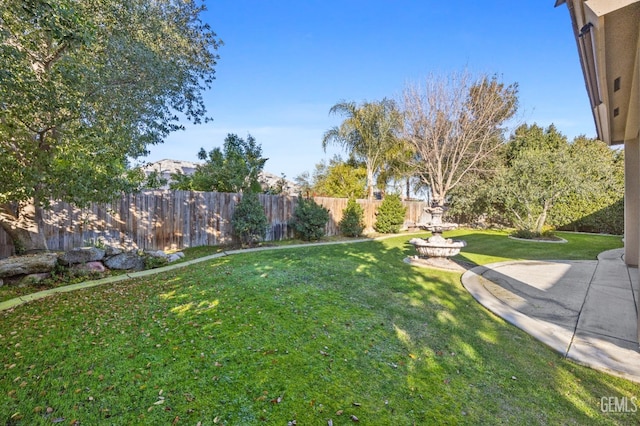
(343, 333)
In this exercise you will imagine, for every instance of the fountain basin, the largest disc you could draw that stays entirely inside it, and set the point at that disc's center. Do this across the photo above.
(437, 246)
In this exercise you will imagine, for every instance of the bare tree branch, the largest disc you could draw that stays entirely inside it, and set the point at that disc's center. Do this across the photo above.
(454, 124)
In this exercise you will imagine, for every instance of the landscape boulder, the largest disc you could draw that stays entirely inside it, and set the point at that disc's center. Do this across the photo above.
(81, 255)
(34, 279)
(125, 261)
(89, 267)
(110, 251)
(28, 264)
(158, 254)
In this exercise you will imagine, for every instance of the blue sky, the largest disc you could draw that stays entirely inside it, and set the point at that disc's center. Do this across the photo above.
(285, 63)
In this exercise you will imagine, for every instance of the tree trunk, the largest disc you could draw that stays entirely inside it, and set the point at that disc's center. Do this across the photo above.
(542, 218)
(24, 225)
(408, 187)
(370, 184)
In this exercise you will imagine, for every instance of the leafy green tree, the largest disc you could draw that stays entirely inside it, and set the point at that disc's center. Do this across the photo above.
(234, 168)
(391, 215)
(249, 220)
(471, 201)
(539, 171)
(352, 222)
(368, 132)
(540, 178)
(304, 182)
(598, 206)
(339, 179)
(155, 180)
(453, 124)
(309, 219)
(84, 86)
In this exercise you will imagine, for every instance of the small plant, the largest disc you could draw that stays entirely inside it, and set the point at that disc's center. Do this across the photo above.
(18, 248)
(309, 219)
(152, 262)
(249, 220)
(546, 234)
(391, 215)
(352, 222)
(98, 242)
(63, 275)
(525, 234)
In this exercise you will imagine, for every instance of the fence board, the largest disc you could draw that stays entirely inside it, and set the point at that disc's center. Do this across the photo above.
(163, 219)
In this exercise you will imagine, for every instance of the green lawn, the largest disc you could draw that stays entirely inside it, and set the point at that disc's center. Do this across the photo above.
(307, 334)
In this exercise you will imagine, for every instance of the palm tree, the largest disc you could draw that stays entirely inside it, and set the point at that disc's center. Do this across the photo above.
(368, 132)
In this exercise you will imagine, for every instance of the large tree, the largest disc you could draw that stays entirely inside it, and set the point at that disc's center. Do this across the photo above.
(537, 173)
(454, 124)
(86, 85)
(599, 205)
(368, 132)
(340, 179)
(545, 177)
(234, 168)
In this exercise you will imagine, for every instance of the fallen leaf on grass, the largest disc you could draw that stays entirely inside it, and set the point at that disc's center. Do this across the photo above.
(339, 412)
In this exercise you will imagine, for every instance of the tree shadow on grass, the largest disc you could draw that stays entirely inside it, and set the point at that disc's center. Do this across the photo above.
(493, 358)
(302, 334)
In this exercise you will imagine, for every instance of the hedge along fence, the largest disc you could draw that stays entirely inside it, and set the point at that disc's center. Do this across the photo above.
(163, 220)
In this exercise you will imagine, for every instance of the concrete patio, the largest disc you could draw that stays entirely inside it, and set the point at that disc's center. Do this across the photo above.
(586, 310)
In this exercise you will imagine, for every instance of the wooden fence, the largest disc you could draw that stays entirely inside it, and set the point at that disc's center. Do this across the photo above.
(177, 219)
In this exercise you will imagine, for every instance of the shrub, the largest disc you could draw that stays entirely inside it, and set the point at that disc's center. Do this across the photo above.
(391, 215)
(352, 222)
(546, 234)
(525, 234)
(249, 221)
(309, 219)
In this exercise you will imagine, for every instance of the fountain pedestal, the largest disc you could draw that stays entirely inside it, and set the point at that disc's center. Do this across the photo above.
(436, 250)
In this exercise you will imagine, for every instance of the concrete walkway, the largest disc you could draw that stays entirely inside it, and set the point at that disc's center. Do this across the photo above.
(586, 310)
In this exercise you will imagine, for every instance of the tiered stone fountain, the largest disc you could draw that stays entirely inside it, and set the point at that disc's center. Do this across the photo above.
(436, 250)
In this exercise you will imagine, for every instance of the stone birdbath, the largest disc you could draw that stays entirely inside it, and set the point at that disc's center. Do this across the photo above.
(436, 250)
